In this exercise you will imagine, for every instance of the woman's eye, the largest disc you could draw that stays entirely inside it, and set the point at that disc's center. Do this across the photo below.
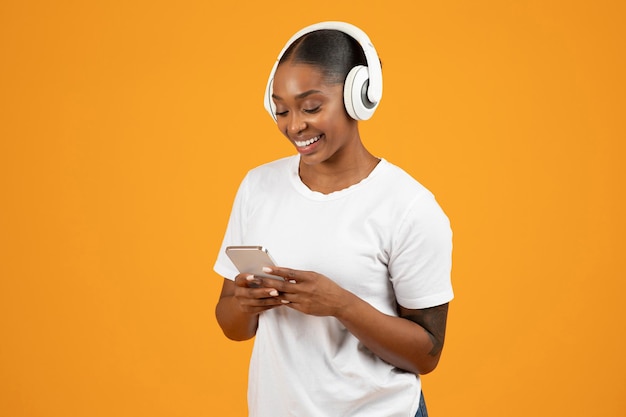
(313, 110)
(281, 113)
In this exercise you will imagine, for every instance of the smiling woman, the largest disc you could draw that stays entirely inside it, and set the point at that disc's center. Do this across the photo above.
(362, 309)
(311, 110)
(124, 130)
(311, 115)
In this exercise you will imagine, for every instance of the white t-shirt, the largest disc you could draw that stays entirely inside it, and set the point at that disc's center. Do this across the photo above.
(385, 239)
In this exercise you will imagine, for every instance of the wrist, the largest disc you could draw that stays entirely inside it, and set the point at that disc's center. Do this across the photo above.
(347, 306)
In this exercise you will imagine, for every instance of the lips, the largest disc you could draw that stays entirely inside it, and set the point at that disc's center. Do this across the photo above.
(305, 143)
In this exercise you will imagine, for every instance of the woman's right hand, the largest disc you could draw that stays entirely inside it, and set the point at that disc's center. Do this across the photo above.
(251, 297)
(240, 304)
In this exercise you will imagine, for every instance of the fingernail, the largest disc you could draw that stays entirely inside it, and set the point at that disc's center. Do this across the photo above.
(285, 301)
(250, 277)
(292, 281)
(267, 269)
(273, 293)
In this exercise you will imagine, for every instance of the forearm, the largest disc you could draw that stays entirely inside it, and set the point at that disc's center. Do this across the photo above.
(235, 323)
(412, 341)
(398, 341)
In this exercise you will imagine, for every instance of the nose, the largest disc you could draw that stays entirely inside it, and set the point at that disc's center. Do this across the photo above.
(296, 124)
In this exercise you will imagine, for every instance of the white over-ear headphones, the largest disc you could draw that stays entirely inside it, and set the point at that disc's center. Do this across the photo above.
(363, 87)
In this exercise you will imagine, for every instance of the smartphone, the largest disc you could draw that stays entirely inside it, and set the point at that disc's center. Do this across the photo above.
(251, 260)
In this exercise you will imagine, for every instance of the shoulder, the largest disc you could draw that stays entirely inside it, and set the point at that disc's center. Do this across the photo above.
(274, 169)
(399, 184)
(277, 167)
(410, 201)
(271, 176)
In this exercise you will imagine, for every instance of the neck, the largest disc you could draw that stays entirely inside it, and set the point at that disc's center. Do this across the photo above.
(340, 172)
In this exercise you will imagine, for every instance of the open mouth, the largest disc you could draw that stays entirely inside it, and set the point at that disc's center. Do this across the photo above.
(304, 143)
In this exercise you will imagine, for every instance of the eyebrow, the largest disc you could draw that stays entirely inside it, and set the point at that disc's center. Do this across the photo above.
(301, 95)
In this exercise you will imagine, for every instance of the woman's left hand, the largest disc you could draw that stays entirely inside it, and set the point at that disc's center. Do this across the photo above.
(308, 292)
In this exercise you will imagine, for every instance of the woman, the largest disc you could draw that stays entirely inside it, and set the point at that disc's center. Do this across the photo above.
(361, 312)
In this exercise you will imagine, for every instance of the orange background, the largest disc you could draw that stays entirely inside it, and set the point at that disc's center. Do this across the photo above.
(126, 126)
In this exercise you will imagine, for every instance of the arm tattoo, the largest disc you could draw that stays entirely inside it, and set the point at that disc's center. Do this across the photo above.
(433, 320)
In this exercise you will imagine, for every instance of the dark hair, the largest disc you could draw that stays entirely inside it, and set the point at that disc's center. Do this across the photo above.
(333, 52)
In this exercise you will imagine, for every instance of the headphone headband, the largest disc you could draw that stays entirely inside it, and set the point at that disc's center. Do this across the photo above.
(373, 81)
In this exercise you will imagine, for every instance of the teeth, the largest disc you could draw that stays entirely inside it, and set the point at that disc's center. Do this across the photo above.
(306, 142)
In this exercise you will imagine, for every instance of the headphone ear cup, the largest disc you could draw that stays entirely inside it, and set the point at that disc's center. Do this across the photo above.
(269, 103)
(355, 98)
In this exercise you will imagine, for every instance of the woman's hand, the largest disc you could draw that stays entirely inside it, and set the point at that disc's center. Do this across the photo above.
(241, 301)
(308, 292)
(252, 297)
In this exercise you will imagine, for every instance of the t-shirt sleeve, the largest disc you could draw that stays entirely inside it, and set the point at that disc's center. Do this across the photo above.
(421, 257)
(235, 231)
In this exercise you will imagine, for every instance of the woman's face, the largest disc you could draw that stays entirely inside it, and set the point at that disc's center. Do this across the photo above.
(311, 114)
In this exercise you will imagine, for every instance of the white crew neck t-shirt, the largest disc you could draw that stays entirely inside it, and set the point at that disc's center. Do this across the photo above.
(385, 239)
